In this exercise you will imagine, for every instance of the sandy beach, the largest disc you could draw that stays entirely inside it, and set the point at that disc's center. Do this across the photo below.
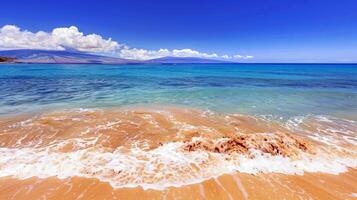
(237, 186)
(170, 153)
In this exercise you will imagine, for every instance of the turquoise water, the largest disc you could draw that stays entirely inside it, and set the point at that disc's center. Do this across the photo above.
(259, 89)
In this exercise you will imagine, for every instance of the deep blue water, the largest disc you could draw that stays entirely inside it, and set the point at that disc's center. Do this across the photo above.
(277, 89)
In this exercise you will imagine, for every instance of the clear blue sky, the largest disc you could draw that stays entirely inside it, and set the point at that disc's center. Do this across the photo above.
(270, 30)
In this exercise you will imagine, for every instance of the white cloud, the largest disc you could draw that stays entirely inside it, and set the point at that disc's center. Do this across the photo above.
(143, 54)
(65, 38)
(192, 53)
(242, 57)
(11, 37)
(226, 57)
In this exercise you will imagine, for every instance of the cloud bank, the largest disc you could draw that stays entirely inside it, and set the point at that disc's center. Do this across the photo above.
(142, 54)
(12, 37)
(70, 38)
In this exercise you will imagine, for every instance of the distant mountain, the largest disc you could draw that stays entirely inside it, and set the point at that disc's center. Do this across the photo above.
(45, 56)
(6, 59)
(177, 60)
(73, 57)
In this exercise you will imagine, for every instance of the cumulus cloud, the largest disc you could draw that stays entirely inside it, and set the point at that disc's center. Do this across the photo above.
(70, 38)
(12, 37)
(242, 57)
(143, 54)
(192, 53)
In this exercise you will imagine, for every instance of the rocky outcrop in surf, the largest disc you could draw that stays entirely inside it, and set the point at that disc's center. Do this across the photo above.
(157, 148)
(274, 144)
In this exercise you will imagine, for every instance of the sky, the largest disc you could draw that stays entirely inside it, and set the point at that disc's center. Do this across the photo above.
(250, 31)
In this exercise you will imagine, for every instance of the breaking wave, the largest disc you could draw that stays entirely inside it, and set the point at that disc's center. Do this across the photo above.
(163, 147)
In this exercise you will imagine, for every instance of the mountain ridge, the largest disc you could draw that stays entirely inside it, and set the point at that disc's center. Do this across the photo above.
(60, 57)
(75, 57)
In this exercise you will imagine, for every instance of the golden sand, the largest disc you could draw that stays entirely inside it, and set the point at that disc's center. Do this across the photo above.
(216, 136)
(237, 186)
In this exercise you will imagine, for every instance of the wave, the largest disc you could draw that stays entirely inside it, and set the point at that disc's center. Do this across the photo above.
(170, 147)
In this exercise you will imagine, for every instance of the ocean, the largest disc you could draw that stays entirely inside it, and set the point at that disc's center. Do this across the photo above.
(285, 90)
(189, 131)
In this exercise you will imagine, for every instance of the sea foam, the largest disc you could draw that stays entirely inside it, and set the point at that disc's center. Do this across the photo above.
(165, 166)
(194, 152)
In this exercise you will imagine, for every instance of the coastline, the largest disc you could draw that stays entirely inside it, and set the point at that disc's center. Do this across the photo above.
(191, 131)
(237, 186)
(190, 153)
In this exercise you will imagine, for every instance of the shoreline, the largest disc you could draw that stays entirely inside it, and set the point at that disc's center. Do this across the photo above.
(236, 186)
(174, 152)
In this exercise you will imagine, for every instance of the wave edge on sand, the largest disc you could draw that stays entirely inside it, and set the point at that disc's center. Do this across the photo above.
(170, 147)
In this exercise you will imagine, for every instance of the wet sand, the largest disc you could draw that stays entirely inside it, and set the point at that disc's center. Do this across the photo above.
(237, 186)
(130, 154)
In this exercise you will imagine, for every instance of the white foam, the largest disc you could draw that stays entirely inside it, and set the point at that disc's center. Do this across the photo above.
(168, 165)
(325, 129)
(151, 120)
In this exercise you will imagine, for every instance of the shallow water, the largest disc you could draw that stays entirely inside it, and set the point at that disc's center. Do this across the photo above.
(178, 131)
(266, 89)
